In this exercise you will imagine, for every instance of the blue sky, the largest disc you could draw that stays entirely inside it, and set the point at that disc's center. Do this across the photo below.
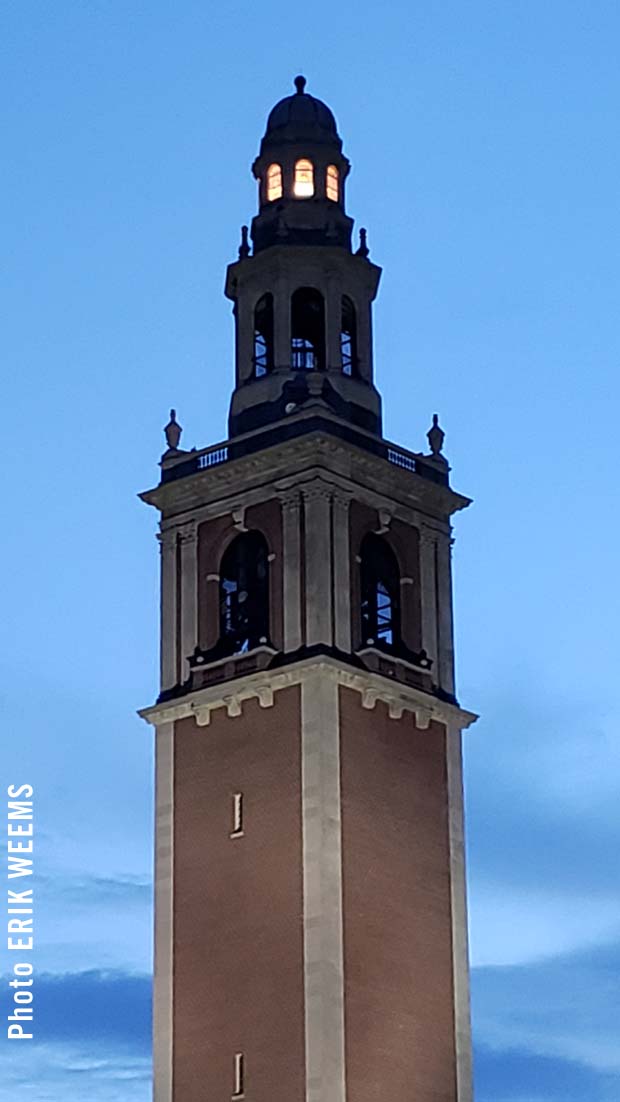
(483, 140)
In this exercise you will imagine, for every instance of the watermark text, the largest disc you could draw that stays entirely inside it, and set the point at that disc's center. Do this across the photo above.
(20, 909)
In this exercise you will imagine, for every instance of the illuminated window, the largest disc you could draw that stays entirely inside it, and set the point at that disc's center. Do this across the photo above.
(348, 342)
(307, 330)
(304, 179)
(274, 183)
(331, 183)
(380, 588)
(263, 336)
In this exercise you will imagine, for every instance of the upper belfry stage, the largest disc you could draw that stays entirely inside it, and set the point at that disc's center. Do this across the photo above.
(310, 914)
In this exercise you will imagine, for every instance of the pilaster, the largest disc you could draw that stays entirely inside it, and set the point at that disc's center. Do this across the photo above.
(342, 570)
(291, 567)
(163, 993)
(428, 594)
(364, 340)
(322, 879)
(318, 562)
(333, 312)
(282, 323)
(168, 608)
(188, 547)
(244, 324)
(445, 640)
(460, 956)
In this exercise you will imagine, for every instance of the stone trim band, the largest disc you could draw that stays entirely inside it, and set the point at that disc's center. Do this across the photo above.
(373, 687)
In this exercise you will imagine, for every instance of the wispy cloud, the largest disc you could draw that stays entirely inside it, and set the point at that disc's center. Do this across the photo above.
(543, 788)
(85, 890)
(92, 1033)
(517, 1075)
(566, 1009)
(69, 1072)
(511, 925)
(543, 830)
(95, 1005)
(89, 919)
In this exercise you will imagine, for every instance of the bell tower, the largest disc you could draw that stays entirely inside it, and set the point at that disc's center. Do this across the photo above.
(302, 298)
(310, 915)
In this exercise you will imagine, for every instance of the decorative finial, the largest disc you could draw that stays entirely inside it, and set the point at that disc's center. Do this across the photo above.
(244, 248)
(300, 84)
(173, 431)
(363, 249)
(436, 437)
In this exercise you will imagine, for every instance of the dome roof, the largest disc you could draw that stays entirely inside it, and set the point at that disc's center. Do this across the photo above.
(301, 117)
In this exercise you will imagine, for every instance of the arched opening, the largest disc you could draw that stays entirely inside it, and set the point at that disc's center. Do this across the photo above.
(263, 335)
(348, 337)
(303, 185)
(332, 182)
(274, 183)
(307, 330)
(244, 594)
(380, 591)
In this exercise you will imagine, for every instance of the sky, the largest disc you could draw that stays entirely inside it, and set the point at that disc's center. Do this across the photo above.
(484, 150)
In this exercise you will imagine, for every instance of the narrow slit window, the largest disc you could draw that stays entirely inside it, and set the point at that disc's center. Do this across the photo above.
(238, 1076)
(237, 815)
(303, 187)
(331, 183)
(274, 183)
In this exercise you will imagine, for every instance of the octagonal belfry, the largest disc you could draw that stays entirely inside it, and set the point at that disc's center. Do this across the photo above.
(310, 913)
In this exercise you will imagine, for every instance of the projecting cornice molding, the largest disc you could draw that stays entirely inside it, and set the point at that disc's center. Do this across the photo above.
(245, 477)
(263, 685)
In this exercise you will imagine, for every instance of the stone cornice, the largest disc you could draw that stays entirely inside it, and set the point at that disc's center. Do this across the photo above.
(262, 686)
(288, 460)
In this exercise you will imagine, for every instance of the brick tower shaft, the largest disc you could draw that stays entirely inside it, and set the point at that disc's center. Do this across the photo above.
(310, 915)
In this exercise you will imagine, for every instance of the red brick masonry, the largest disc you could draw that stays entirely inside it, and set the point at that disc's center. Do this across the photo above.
(238, 958)
(399, 1015)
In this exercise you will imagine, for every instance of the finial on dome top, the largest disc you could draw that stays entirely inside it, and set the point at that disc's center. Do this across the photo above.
(300, 84)
(173, 431)
(436, 437)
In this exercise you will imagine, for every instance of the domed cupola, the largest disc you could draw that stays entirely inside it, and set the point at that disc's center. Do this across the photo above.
(300, 118)
(301, 173)
(302, 298)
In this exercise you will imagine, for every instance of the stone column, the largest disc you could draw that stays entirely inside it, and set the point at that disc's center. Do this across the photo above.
(322, 881)
(342, 570)
(244, 327)
(445, 638)
(163, 993)
(364, 341)
(291, 568)
(428, 596)
(318, 562)
(460, 955)
(333, 317)
(188, 543)
(168, 608)
(282, 323)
